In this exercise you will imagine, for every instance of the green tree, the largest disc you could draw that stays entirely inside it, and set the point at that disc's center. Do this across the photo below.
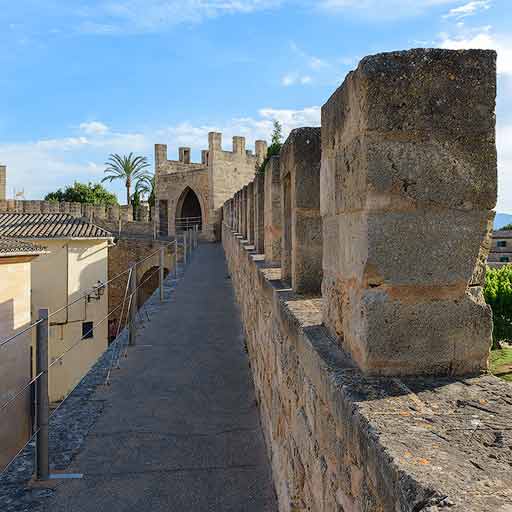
(498, 294)
(275, 146)
(277, 134)
(146, 188)
(508, 227)
(136, 205)
(128, 169)
(91, 193)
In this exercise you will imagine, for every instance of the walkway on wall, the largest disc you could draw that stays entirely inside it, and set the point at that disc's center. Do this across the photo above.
(180, 429)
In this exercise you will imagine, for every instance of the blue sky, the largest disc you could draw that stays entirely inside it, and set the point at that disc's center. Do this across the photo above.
(81, 79)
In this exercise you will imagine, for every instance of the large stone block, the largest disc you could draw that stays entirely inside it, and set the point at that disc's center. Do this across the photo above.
(259, 213)
(243, 210)
(301, 253)
(408, 182)
(272, 214)
(250, 212)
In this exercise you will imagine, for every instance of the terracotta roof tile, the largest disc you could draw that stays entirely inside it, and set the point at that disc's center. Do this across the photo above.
(48, 225)
(14, 247)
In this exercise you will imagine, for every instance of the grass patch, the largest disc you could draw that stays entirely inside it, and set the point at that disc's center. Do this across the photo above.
(501, 363)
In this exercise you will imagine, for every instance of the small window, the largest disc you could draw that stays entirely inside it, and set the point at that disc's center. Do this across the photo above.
(504, 259)
(502, 243)
(87, 330)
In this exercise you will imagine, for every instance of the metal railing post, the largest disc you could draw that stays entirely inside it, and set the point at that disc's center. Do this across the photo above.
(176, 258)
(133, 307)
(42, 399)
(161, 274)
(185, 247)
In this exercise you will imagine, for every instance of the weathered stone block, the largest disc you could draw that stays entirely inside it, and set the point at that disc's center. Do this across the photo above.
(259, 213)
(250, 212)
(407, 187)
(244, 212)
(301, 254)
(272, 215)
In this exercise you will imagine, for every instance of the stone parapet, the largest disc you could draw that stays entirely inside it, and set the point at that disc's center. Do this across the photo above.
(408, 186)
(340, 440)
(272, 211)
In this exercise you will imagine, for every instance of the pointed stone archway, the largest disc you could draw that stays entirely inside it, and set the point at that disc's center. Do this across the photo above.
(189, 211)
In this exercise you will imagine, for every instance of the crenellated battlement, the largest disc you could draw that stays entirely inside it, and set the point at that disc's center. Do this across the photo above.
(3, 182)
(358, 260)
(184, 163)
(93, 212)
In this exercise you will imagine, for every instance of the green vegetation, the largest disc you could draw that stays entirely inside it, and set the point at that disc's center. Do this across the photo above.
(508, 227)
(498, 294)
(275, 146)
(129, 169)
(501, 363)
(146, 187)
(90, 193)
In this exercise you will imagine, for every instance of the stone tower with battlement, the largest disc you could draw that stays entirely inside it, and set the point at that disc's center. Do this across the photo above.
(189, 194)
(3, 182)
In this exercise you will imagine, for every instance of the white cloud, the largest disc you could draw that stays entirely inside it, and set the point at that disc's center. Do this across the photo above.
(383, 9)
(468, 9)
(39, 167)
(94, 128)
(483, 39)
(294, 79)
(128, 16)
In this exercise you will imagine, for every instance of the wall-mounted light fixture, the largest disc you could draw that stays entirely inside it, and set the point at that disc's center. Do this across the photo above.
(98, 290)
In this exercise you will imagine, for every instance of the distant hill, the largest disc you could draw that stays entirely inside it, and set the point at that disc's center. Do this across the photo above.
(502, 219)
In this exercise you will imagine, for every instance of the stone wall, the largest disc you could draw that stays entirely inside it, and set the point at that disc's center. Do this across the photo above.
(3, 182)
(122, 256)
(373, 390)
(342, 441)
(219, 175)
(113, 214)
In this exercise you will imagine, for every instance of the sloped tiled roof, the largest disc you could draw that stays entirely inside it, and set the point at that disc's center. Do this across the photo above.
(48, 225)
(13, 247)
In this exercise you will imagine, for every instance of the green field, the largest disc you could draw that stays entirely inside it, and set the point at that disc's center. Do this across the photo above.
(501, 363)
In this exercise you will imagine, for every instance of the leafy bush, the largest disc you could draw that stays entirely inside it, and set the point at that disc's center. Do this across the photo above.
(91, 193)
(498, 294)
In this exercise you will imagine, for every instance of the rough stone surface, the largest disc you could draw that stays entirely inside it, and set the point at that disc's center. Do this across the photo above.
(342, 441)
(259, 213)
(250, 212)
(301, 247)
(408, 181)
(122, 256)
(272, 216)
(3, 182)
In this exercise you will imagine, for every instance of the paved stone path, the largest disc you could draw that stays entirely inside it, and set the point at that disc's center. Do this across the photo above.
(180, 428)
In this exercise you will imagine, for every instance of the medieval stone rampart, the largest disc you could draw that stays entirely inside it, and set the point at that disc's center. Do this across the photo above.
(117, 219)
(367, 331)
(3, 182)
(212, 181)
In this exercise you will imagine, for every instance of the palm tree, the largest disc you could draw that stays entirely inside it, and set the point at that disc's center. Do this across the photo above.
(146, 187)
(127, 168)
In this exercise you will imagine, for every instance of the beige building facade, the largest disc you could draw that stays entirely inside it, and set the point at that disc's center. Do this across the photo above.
(189, 194)
(16, 259)
(501, 249)
(76, 261)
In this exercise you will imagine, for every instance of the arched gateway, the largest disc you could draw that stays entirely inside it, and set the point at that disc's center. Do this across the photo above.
(192, 194)
(189, 212)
